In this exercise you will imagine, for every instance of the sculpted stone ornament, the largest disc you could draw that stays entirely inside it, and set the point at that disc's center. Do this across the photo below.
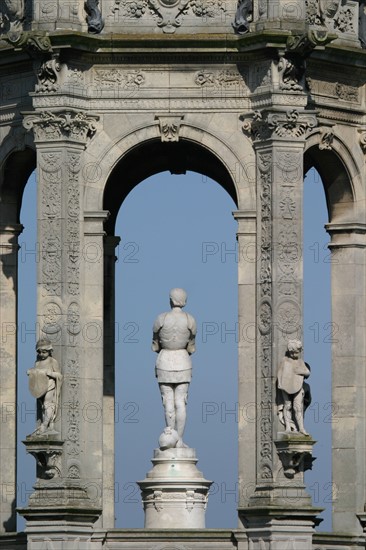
(243, 16)
(77, 126)
(45, 381)
(11, 17)
(362, 23)
(174, 340)
(293, 395)
(290, 72)
(94, 17)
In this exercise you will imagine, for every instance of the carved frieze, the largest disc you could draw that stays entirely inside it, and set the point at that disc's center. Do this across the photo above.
(73, 222)
(51, 175)
(338, 90)
(52, 126)
(114, 79)
(72, 406)
(168, 13)
(224, 78)
(265, 172)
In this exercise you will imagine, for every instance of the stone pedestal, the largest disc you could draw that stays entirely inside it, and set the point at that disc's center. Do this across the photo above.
(60, 511)
(174, 492)
(281, 511)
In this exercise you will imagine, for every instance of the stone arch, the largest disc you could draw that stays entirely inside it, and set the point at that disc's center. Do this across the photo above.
(16, 167)
(127, 162)
(341, 170)
(341, 176)
(236, 166)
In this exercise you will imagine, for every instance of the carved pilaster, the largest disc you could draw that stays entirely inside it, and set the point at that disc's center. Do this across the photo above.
(8, 372)
(278, 138)
(61, 138)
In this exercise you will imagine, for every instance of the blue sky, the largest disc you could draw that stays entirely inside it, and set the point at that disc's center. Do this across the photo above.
(168, 224)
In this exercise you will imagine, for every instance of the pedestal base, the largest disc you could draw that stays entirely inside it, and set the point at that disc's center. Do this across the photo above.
(174, 492)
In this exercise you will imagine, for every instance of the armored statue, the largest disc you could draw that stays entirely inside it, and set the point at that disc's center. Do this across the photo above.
(174, 340)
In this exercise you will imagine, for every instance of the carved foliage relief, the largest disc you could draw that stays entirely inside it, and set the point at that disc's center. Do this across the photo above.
(288, 250)
(265, 172)
(169, 14)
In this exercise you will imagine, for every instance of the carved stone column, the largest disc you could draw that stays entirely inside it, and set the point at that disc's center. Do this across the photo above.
(64, 313)
(247, 266)
(110, 244)
(8, 372)
(348, 247)
(279, 508)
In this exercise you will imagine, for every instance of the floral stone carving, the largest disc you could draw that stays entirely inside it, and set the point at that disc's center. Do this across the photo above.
(169, 13)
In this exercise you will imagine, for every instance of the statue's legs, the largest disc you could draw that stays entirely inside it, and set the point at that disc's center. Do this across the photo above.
(48, 410)
(175, 398)
(167, 395)
(287, 410)
(298, 406)
(181, 398)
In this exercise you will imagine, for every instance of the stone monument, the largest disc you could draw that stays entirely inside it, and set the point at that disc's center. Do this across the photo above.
(174, 492)
(253, 93)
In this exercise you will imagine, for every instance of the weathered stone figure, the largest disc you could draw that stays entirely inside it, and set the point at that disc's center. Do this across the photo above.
(290, 383)
(174, 340)
(45, 381)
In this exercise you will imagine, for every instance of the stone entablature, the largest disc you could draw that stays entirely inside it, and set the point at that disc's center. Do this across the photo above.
(345, 20)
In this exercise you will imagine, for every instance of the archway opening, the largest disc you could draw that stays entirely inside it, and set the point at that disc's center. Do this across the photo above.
(319, 333)
(176, 231)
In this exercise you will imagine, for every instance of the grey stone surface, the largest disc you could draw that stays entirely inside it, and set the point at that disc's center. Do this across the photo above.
(174, 492)
(250, 113)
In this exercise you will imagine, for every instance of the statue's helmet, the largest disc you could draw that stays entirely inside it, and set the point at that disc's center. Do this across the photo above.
(178, 297)
(44, 343)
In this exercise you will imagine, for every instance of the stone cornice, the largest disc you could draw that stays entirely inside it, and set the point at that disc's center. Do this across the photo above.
(347, 235)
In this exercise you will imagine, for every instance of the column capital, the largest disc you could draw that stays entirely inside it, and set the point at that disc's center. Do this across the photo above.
(280, 125)
(61, 125)
(347, 235)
